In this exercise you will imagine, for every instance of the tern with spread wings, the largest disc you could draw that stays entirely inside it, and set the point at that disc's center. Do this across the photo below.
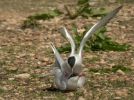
(68, 74)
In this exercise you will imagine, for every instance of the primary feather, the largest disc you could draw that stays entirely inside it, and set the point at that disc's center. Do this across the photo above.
(59, 60)
(60, 63)
(64, 31)
(97, 26)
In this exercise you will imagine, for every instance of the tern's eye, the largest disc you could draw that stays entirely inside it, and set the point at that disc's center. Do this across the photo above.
(71, 61)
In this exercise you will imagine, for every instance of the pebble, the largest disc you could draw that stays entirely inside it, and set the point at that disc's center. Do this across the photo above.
(2, 88)
(97, 73)
(117, 98)
(109, 29)
(112, 1)
(120, 72)
(10, 68)
(123, 27)
(23, 76)
(81, 98)
(2, 98)
(71, 94)
(10, 79)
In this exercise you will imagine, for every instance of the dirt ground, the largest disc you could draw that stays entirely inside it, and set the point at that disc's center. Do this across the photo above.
(25, 54)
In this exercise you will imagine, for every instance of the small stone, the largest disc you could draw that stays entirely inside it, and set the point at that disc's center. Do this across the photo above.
(25, 70)
(38, 62)
(112, 1)
(2, 98)
(117, 98)
(97, 73)
(120, 72)
(71, 94)
(122, 93)
(10, 79)
(68, 99)
(81, 98)
(97, 86)
(3, 88)
(92, 3)
(23, 76)
(123, 27)
(109, 29)
(11, 68)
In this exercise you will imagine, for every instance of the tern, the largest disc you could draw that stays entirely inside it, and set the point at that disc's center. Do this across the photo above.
(68, 73)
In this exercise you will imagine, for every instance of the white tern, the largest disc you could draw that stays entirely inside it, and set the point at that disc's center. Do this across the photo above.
(68, 74)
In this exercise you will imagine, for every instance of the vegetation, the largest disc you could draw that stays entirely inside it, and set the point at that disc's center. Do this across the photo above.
(85, 10)
(114, 69)
(99, 41)
(82, 9)
(32, 21)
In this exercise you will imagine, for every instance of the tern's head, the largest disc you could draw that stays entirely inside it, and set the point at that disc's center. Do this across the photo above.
(71, 61)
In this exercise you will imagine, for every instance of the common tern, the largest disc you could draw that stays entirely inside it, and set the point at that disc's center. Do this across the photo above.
(68, 73)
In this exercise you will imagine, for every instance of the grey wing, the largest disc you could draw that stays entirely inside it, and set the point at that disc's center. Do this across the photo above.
(60, 63)
(67, 70)
(65, 33)
(98, 25)
(60, 81)
(58, 60)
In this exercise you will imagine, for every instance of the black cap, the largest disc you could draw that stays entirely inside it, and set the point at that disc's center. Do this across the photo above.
(71, 61)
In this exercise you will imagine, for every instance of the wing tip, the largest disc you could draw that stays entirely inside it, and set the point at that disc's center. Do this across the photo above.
(116, 10)
(52, 46)
(62, 28)
(119, 7)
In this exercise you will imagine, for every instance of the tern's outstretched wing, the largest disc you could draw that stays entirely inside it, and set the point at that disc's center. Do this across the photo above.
(97, 26)
(64, 31)
(61, 64)
(59, 61)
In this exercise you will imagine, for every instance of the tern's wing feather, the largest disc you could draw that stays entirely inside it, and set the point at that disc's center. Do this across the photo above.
(65, 33)
(98, 25)
(59, 61)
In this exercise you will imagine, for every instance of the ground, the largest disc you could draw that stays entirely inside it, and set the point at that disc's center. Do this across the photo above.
(25, 54)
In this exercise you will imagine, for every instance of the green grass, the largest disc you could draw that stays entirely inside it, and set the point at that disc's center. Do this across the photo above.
(114, 69)
(1, 90)
(32, 21)
(46, 16)
(85, 10)
(98, 42)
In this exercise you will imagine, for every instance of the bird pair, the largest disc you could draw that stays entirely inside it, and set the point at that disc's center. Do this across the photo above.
(68, 74)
